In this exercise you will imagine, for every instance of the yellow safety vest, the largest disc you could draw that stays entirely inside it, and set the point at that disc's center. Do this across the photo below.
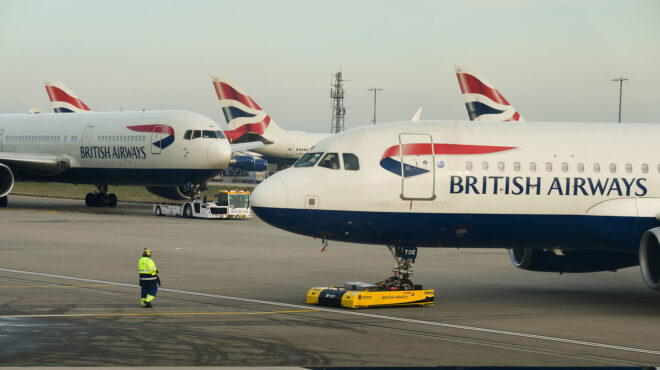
(147, 269)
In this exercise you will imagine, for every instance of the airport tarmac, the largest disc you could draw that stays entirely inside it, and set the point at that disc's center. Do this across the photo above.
(233, 294)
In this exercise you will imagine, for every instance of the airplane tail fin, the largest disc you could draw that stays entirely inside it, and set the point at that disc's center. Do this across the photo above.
(243, 114)
(482, 100)
(63, 99)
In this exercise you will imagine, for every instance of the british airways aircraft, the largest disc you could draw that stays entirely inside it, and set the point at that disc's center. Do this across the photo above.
(482, 100)
(559, 198)
(170, 152)
(248, 122)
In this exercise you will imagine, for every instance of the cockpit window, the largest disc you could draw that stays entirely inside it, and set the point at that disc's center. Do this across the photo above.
(220, 134)
(351, 162)
(188, 135)
(196, 134)
(207, 134)
(331, 161)
(308, 160)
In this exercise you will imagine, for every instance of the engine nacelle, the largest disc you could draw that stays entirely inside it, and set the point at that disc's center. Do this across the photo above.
(6, 180)
(571, 260)
(172, 192)
(649, 258)
(249, 163)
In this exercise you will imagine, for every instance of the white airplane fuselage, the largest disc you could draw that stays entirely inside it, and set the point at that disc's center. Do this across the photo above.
(463, 184)
(120, 148)
(288, 144)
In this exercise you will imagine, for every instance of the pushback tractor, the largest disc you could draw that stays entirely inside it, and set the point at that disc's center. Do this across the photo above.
(231, 204)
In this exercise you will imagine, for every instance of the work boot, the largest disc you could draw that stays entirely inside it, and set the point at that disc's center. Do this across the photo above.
(148, 305)
(143, 302)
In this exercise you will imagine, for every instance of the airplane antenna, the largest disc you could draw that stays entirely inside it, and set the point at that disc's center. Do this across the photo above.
(620, 80)
(337, 96)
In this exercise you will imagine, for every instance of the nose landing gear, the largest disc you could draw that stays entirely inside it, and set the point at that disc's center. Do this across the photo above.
(101, 198)
(404, 256)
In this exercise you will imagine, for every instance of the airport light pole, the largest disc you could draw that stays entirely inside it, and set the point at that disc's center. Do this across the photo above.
(375, 89)
(620, 80)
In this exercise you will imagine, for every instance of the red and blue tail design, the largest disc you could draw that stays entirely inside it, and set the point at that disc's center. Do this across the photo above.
(63, 99)
(391, 158)
(482, 100)
(166, 133)
(243, 114)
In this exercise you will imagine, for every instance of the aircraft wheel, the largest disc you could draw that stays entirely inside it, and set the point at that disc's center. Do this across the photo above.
(112, 200)
(90, 200)
(3, 201)
(405, 284)
(187, 211)
(159, 212)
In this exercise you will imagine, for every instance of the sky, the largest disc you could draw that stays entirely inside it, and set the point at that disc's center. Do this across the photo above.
(552, 59)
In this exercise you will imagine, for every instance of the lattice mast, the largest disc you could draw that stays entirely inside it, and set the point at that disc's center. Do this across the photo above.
(338, 110)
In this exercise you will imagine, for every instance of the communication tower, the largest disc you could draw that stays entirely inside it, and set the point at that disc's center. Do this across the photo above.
(338, 110)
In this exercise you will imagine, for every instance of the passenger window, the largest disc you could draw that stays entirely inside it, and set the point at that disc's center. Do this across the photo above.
(548, 167)
(612, 168)
(580, 167)
(596, 167)
(308, 160)
(628, 168)
(206, 134)
(330, 160)
(645, 168)
(351, 162)
(532, 166)
(468, 165)
(564, 167)
(516, 166)
(484, 166)
(500, 166)
(196, 134)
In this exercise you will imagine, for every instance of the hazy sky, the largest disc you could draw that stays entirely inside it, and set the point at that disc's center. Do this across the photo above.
(553, 60)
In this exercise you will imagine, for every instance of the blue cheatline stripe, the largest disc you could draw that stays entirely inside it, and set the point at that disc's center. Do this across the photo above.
(233, 112)
(164, 143)
(127, 176)
(63, 110)
(476, 109)
(459, 230)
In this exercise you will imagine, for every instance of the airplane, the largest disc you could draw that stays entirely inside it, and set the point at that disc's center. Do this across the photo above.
(172, 153)
(248, 122)
(482, 100)
(557, 197)
(66, 101)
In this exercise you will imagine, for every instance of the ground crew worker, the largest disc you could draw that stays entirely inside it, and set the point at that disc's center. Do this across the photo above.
(149, 280)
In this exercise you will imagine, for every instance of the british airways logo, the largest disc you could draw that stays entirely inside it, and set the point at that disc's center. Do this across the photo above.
(391, 158)
(164, 134)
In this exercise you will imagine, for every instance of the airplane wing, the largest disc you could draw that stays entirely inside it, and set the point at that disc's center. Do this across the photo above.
(37, 164)
(240, 147)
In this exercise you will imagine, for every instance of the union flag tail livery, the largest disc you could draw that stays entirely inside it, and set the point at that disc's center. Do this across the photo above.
(63, 99)
(243, 114)
(482, 100)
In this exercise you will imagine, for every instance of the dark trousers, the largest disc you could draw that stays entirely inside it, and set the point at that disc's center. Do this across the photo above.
(149, 288)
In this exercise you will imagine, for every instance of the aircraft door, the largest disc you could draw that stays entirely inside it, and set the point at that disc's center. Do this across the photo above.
(2, 134)
(290, 151)
(87, 135)
(157, 139)
(417, 167)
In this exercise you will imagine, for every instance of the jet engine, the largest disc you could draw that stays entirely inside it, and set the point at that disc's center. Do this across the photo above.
(172, 192)
(649, 258)
(6, 180)
(249, 163)
(573, 260)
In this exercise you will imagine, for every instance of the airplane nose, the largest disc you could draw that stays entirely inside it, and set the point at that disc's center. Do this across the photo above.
(271, 193)
(219, 154)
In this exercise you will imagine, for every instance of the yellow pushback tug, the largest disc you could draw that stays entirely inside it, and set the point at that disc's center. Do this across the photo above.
(363, 295)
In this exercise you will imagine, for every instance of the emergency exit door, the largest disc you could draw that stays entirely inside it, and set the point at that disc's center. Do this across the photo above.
(157, 139)
(417, 167)
(2, 134)
(87, 135)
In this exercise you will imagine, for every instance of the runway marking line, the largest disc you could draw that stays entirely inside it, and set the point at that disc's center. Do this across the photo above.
(51, 286)
(155, 314)
(364, 314)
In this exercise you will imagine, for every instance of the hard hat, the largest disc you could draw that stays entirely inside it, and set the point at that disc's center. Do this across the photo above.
(147, 252)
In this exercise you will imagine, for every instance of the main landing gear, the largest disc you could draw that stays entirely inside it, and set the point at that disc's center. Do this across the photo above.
(101, 198)
(404, 256)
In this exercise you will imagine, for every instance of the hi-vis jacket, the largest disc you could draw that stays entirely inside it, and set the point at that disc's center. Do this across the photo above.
(148, 270)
